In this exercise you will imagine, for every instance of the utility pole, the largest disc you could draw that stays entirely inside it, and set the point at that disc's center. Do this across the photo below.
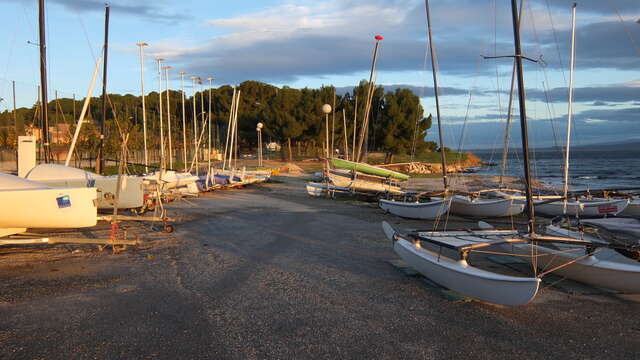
(141, 45)
(100, 157)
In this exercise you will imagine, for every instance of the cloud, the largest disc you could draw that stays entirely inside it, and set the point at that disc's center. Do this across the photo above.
(600, 95)
(138, 8)
(421, 91)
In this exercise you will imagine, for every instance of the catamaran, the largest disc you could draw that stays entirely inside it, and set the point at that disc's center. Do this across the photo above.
(566, 255)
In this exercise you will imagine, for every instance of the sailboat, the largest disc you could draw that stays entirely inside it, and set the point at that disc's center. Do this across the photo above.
(434, 261)
(29, 204)
(131, 192)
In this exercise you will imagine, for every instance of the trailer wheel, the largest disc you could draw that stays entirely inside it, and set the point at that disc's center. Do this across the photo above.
(168, 229)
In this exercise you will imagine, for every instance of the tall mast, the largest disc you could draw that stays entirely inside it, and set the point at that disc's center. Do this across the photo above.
(443, 158)
(507, 128)
(209, 119)
(100, 157)
(184, 122)
(195, 123)
(570, 110)
(523, 115)
(162, 164)
(43, 81)
(166, 80)
(370, 90)
(144, 110)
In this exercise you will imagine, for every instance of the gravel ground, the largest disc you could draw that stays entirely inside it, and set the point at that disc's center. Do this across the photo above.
(268, 272)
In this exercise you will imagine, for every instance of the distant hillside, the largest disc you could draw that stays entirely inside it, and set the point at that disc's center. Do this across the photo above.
(621, 146)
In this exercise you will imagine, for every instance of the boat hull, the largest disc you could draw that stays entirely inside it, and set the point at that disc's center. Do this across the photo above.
(367, 169)
(632, 209)
(464, 279)
(605, 269)
(461, 205)
(59, 176)
(345, 180)
(427, 210)
(582, 208)
(38, 206)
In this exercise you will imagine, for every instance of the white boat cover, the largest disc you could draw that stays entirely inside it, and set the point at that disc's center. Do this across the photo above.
(131, 193)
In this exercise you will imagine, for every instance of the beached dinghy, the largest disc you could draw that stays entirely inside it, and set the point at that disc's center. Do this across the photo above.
(363, 183)
(320, 189)
(632, 209)
(463, 205)
(415, 210)
(604, 268)
(28, 204)
(367, 169)
(131, 193)
(183, 181)
(582, 208)
(459, 275)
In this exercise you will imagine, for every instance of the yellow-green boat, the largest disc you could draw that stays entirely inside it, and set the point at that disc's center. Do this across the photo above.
(367, 169)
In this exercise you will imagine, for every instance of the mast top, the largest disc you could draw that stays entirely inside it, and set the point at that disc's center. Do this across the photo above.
(379, 37)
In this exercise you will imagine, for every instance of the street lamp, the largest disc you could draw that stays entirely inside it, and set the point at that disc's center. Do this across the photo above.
(326, 109)
(259, 129)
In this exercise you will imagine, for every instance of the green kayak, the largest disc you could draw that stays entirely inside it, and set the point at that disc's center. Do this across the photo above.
(367, 169)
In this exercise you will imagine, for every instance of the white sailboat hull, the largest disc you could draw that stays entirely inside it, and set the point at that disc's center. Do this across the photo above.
(32, 205)
(587, 208)
(606, 269)
(54, 175)
(632, 209)
(344, 179)
(427, 210)
(462, 205)
(462, 278)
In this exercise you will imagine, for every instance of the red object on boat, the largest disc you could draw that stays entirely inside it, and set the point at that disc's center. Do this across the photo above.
(379, 37)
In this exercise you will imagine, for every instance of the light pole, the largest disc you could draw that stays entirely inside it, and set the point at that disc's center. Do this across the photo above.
(259, 129)
(326, 109)
(141, 45)
(195, 123)
(184, 122)
(166, 80)
(160, 60)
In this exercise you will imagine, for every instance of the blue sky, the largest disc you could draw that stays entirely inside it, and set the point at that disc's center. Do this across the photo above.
(311, 43)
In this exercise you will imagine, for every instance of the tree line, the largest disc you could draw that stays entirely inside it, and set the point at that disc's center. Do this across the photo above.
(397, 121)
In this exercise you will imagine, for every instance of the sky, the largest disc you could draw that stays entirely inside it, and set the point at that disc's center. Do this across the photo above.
(330, 42)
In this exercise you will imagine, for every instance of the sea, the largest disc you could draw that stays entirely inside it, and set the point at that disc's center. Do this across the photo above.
(589, 169)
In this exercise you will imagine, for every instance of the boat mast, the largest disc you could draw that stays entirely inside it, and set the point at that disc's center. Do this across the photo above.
(184, 122)
(507, 128)
(43, 81)
(100, 156)
(435, 90)
(570, 110)
(370, 91)
(523, 115)
(141, 45)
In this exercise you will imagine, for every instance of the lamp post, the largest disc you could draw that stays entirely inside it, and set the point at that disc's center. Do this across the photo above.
(160, 60)
(259, 129)
(141, 45)
(326, 109)
(166, 81)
